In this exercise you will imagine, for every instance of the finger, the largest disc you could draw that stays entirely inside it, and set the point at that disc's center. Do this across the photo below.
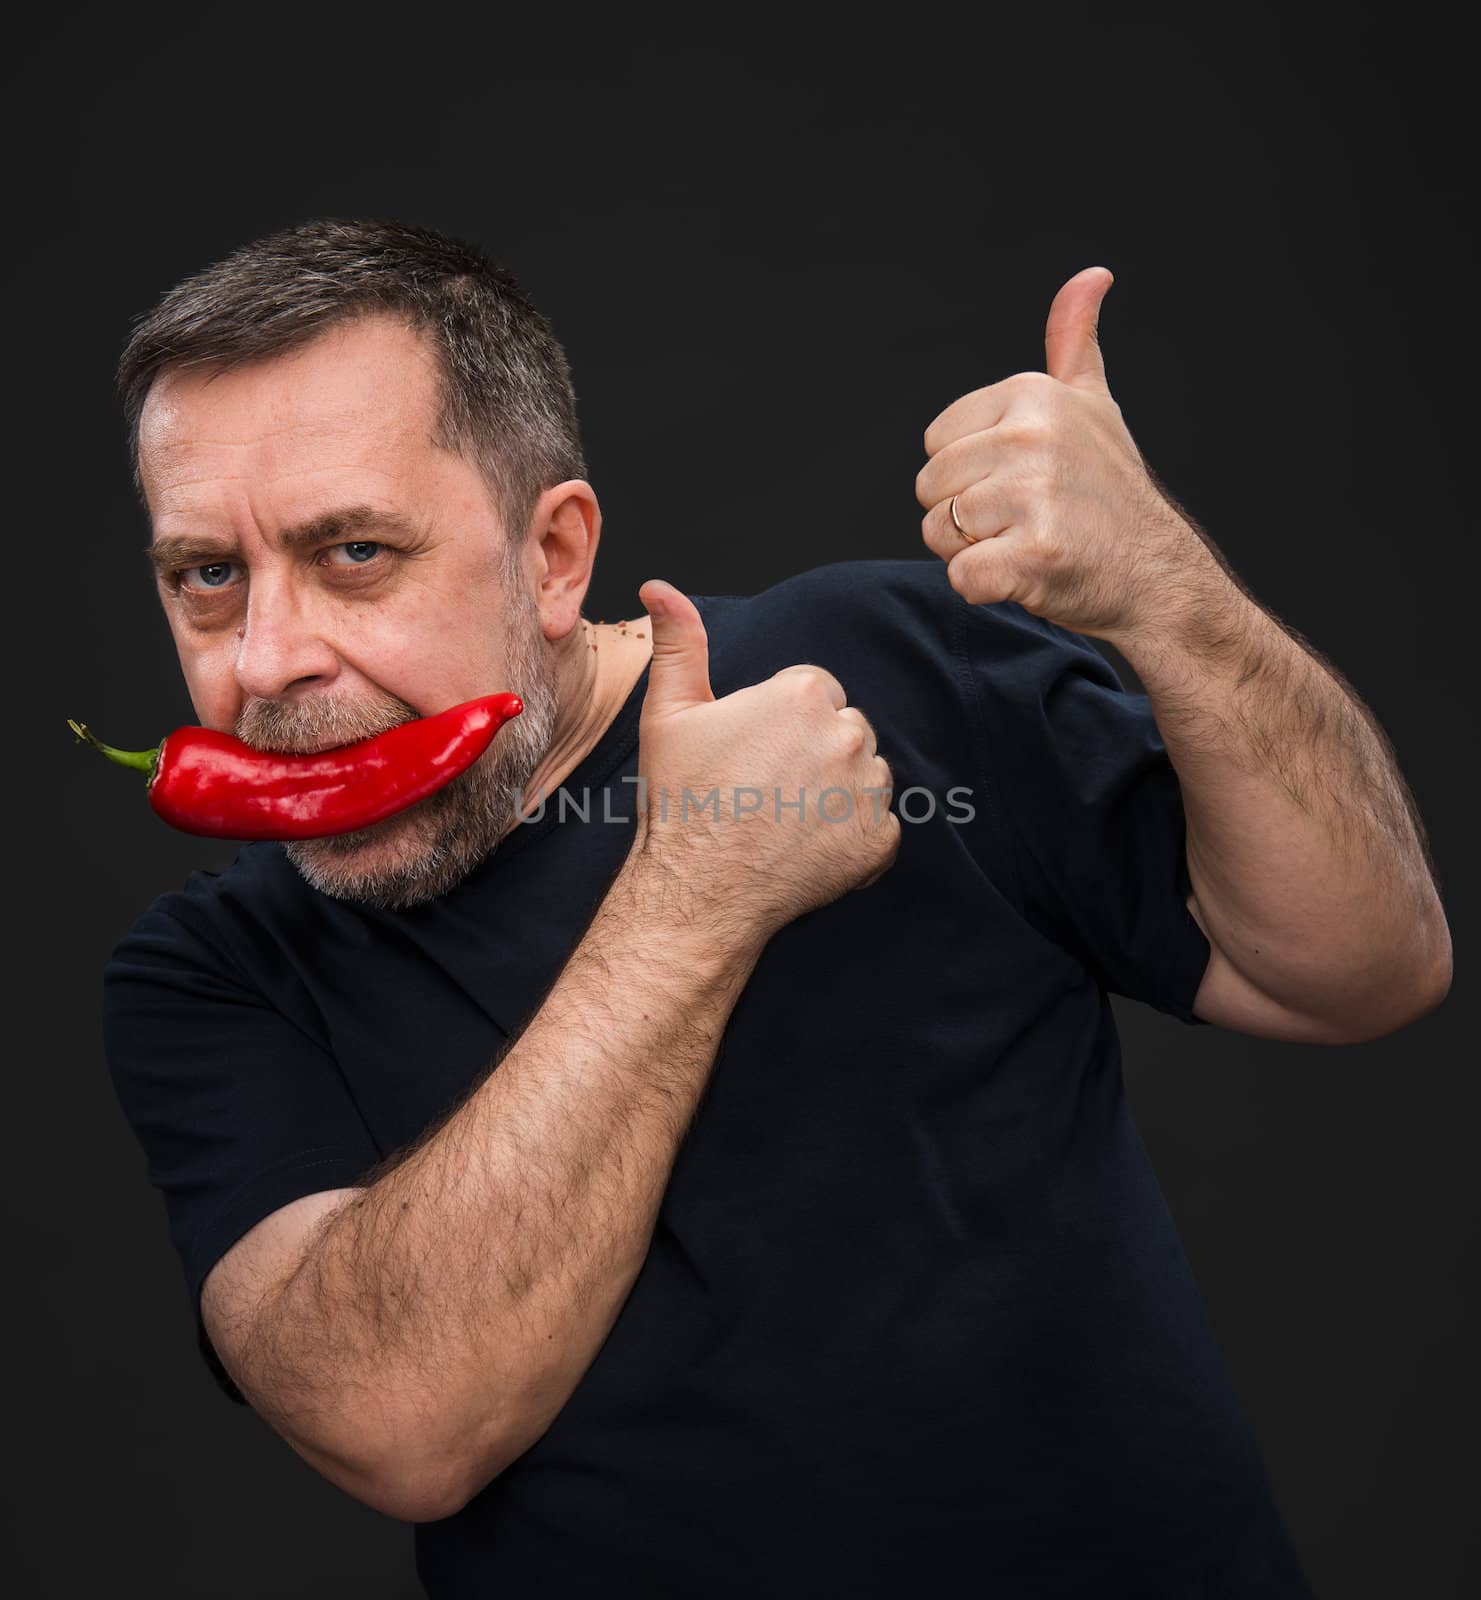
(1072, 334)
(972, 413)
(962, 462)
(679, 673)
(985, 574)
(829, 682)
(985, 510)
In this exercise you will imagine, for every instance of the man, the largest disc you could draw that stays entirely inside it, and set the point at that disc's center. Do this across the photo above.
(572, 1165)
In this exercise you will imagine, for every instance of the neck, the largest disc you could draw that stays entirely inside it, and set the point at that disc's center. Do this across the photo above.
(601, 662)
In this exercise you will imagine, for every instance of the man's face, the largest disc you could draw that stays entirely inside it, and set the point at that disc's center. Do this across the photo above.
(299, 637)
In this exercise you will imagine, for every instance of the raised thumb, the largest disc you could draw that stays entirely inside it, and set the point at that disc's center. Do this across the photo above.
(679, 674)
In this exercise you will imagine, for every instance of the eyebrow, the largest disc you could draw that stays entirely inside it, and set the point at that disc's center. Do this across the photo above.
(188, 549)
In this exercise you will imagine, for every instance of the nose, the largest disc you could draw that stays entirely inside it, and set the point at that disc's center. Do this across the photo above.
(280, 648)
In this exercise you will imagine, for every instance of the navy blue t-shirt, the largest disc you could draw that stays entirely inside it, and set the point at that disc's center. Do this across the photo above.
(915, 1317)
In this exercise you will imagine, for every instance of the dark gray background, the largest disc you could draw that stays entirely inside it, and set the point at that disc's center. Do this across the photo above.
(775, 249)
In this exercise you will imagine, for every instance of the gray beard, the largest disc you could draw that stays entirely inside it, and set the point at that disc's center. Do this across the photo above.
(430, 847)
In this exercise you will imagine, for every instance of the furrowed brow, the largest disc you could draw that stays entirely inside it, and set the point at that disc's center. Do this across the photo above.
(345, 522)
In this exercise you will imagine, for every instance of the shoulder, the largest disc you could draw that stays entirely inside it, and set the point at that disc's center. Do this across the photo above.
(898, 616)
(204, 921)
(224, 946)
(846, 595)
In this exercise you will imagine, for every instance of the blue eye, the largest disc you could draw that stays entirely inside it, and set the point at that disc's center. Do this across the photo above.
(216, 575)
(221, 567)
(361, 552)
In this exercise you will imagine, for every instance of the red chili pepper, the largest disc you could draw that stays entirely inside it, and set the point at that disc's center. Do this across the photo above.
(210, 783)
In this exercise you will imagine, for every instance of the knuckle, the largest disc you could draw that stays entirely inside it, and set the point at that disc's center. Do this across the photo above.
(831, 689)
(813, 694)
(853, 741)
(800, 684)
(1027, 433)
(1049, 550)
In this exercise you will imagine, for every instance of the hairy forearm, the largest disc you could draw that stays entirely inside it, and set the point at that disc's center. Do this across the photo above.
(1306, 850)
(440, 1319)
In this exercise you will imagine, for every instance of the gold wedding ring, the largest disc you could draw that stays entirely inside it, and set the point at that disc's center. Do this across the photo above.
(971, 538)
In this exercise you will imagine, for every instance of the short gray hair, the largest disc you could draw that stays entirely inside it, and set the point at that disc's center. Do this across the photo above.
(507, 405)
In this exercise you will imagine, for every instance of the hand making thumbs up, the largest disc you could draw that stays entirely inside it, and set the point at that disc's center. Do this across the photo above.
(1036, 492)
(762, 804)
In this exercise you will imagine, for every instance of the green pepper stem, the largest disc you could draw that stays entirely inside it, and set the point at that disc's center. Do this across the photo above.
(141, 760)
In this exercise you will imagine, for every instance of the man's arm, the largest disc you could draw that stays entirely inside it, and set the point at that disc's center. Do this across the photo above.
(441, 1317)
(439, 1320)
(1308, 862)
(1310, 868)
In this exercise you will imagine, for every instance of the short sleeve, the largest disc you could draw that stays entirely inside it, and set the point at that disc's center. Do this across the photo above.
(237, 1110)
(1081, 782)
